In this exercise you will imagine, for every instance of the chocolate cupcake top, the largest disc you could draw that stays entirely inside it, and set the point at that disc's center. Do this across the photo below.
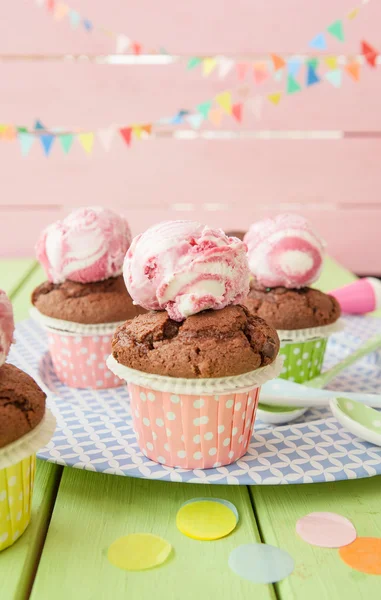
(209, 344)
(292, 309)
(22, 404)
(89, 303)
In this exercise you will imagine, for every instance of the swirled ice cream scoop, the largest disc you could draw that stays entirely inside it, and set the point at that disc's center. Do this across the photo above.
(7, 326)
(284, 251)
(185, 267)
(88, 245)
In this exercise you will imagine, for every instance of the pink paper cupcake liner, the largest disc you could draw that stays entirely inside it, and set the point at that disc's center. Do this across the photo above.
(193, 431)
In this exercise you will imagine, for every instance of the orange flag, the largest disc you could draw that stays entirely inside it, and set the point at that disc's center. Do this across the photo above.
(353, 69)
(369, 53)
(147, 128)
(278, 62)
(215, 116)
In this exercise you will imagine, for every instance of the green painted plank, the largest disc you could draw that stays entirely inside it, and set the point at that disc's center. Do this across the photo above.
(319, 572)
(92, 510)
(19, 562)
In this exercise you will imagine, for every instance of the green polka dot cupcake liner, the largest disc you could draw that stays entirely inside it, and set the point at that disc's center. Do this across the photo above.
(303, 351)
(17, 475)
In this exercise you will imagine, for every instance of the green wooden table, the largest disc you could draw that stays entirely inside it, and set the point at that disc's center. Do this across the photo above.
(77, 514)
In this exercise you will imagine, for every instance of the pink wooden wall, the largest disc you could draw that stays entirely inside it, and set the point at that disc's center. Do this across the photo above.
(227, 182)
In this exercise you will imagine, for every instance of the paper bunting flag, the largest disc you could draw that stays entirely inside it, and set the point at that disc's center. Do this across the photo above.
(353, 69)
(66, 141)
(208, 65)
(122, 43)
(237, 112)
(126, 133)
(292, 85)
(331, 62)
(87, 141)
(195, 120)
(313, 62)
(61, 11)
(275, 98)
(106, 136)
(353, 13)
(47, 141)
(254, 105)
(278, 62)
(137, 131)
(75, 19)
(334, 77)
(260, 72)
(278, 75)
(21, 130)
(204, 109)
(26, 142)
(50, 5)
(8, 132)
(224, 100)
(38, 125)
(318, 42)
(87, 24)
(148, 128)
(215, 116)
(40, 3)
(136, 48)
(293, 66)
(336, 29)
(193, 62)
(241, 69)
(225, 65)
(369, 53)
(312, 77)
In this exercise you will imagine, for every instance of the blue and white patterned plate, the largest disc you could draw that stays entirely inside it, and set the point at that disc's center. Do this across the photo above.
(95, 432)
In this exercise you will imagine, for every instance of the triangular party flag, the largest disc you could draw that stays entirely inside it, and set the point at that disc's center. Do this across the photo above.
(193, 62)
(318, 42)
(224, 66)
(50, 5)
(255, 105)
(334, 77)
(225, 101)
(40, 3)
(87, 24)
(126, 133)
(61, 11)
(369, 53)
(194, 120)
(87, 141)
(353, 69)
(278, 75)
(106, 136)
(313, 62)
(22, 129)
(66, 141)
(148, 127)
(208, 65)
(47, 142)
(137, 131)
(336, 29)
(331, 62)
(293, 65)
(275, 98)
(292, 85)
(136, 48)
(26, 141)
(215, 116)
(75, 19)
(353, 13)
(122, 43)
(278, 62)
(241, 69)
(243, 91)
(237, 112)
(312, 77)
(38, 125)
(260, 72)
(9, 132)
(204, 109)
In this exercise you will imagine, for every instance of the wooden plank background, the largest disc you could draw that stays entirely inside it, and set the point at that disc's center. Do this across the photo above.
(226, 182)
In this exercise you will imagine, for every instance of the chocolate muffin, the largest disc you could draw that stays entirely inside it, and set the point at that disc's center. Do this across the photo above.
(291, 309)
(22, 404)
(88, 303)
(212, 343)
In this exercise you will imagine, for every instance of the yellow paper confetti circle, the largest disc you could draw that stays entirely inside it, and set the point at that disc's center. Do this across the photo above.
(206, 519)
(139, 551)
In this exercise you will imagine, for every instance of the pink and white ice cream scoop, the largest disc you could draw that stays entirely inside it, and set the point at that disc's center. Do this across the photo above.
(185, 267)
(284, 251)
(7, 326)
(88, 245)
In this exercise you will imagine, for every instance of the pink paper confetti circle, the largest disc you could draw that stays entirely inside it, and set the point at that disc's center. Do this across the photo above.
(326, 529)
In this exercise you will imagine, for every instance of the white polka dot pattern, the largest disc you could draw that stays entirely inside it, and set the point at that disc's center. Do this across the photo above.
(303, 360)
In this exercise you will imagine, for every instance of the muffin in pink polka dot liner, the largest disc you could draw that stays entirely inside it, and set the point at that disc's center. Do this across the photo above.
(85, 297)
(194, 370)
